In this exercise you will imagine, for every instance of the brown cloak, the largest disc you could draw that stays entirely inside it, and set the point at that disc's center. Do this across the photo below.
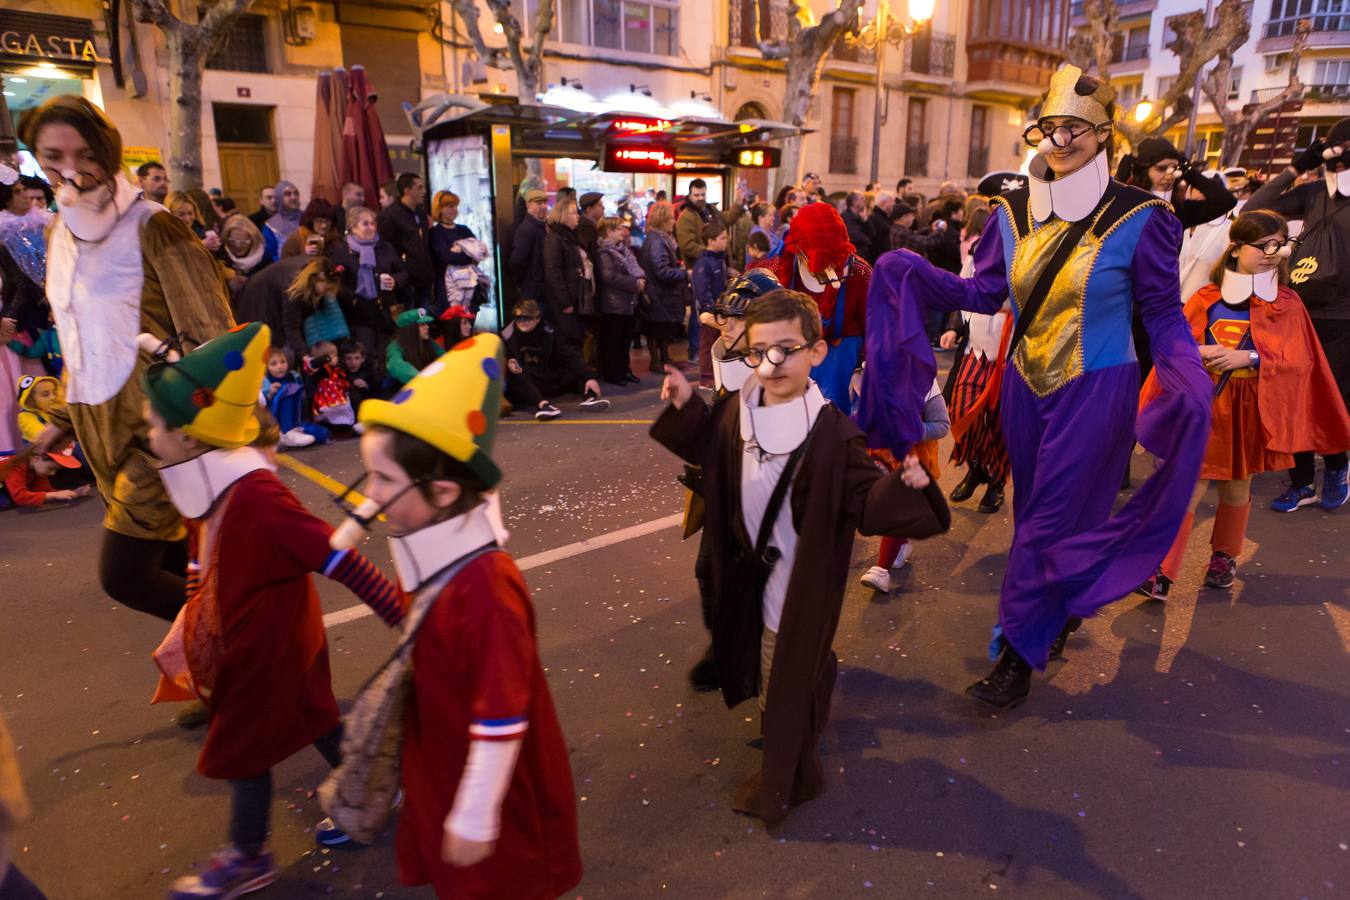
(836, 492)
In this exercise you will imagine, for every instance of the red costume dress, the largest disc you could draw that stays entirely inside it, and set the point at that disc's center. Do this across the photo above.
(477, 677)
(250, 642)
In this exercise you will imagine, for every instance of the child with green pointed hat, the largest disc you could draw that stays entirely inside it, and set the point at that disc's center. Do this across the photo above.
(483, 760)
(250, 641)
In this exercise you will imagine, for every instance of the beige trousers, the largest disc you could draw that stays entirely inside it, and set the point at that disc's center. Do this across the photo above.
(767, 641)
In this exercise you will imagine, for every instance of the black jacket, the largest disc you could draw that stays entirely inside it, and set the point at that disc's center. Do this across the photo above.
(588, 236)
(375, 313)
(667, 280)
(263, 298)
(441, 240)
(543, 352)
(525, 268)
(406, 230)
(859, 234)
(565, 285)
(879, 231)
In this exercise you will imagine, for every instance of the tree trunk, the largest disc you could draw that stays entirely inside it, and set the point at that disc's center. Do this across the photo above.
(801, 80)
(185, 112)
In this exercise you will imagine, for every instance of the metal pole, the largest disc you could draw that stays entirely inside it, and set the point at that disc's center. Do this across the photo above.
(882, 29)
(1195, 92)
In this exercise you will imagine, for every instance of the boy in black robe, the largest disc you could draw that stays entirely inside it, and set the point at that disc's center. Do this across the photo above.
(785, 471)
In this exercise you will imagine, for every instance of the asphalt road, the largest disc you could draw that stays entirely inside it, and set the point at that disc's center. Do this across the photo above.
(1197, 750)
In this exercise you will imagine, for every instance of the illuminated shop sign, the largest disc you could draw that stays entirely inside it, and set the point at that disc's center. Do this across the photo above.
(34, 38)
(640, 158)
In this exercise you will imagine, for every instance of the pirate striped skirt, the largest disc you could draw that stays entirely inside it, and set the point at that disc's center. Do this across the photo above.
(982, 443)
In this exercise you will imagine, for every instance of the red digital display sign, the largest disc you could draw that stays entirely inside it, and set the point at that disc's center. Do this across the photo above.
(639, 125)
(754, 157)
(640, 158)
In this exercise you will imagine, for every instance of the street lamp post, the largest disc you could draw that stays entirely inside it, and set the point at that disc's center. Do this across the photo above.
(920, 11)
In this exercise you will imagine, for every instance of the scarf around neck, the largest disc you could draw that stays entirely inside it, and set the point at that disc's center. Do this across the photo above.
(366, 286)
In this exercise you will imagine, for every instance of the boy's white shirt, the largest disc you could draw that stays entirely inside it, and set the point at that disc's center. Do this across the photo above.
(770, 434)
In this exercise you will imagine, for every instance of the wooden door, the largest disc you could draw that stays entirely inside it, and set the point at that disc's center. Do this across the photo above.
(245, 169)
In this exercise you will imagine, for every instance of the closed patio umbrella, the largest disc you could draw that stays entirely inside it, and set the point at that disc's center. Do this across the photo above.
(365, 155)
(327, 139)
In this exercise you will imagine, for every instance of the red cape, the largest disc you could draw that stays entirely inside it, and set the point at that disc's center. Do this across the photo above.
(855, 288)
(1301, 406)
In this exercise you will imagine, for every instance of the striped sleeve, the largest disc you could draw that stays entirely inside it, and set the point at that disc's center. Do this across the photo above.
(359, 575)
(498, 729)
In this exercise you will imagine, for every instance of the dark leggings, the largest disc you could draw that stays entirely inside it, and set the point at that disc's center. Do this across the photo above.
(615, 336)
(251, 806)
(147, 575)
(1304, 472)
(15, 886)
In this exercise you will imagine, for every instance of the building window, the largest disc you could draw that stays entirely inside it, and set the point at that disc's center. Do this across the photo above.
(1234, 82)
(1326, 15)
(1165, 84)
(1131, 45)
(245, 47)
(916, 137)
(843, 140)
(1128, 94)
(1332, 71)
(977, 159)
(752, 22)
(650, 26)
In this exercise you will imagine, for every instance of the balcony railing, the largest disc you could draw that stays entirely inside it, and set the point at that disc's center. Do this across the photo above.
(931, 53)
(844, 153)
(1130, 54)
(1330, 21)
(846, 50)
(916, 159)
(756, 21)
(1312, 93)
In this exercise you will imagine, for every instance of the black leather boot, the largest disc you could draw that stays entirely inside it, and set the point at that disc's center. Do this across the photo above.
(703, 676)
(1007, 685)
(1057, 648)
(992, 501)
(966, 489)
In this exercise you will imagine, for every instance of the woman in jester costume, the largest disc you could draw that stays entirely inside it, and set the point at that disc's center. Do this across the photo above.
(1076, 252)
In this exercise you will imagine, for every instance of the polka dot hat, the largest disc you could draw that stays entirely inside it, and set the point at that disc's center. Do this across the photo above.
(212, 392)
(452, 404)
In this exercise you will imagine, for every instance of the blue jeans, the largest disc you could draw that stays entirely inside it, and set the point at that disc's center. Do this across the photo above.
(693, 333)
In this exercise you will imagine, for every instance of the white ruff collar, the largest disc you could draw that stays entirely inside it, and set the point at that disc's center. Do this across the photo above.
(92, 215)
(1238, 288)
(1338, 182)
(813, 284)
(421, 555)
(1071, 197)
(780, 429)
(727, 375)
(195, 485)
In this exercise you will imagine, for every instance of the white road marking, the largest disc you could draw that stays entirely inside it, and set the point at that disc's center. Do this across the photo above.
(609, 539)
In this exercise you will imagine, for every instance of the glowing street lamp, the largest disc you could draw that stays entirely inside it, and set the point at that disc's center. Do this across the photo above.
(878, 34)
(1143, 110)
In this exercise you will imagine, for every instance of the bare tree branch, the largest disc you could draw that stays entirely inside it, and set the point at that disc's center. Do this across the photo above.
(528, 64)
(1238, 124)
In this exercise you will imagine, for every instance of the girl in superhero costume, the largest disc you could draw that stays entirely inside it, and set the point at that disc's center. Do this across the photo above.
(1274, 393)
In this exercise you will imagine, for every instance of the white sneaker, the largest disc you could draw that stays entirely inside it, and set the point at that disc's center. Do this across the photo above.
(296, 437)
(547, 411)
(878, 579)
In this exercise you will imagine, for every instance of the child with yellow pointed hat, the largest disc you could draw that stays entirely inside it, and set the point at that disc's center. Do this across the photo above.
(250, 641)
(483, 759)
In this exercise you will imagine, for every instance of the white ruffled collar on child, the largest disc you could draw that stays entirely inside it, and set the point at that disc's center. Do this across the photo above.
(779, 429)
(196, 484)
(1238, 288)
(728, 374)
(419, 556)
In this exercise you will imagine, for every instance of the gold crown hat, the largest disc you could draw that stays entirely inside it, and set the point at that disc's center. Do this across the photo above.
(452, 405)
(211, 394)
(1064, 99)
